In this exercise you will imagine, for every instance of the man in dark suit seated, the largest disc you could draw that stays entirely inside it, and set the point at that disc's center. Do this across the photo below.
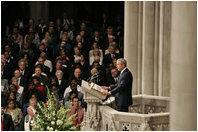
(44, 68)
(123, 88)
(22, 81)
(112, 78)
(108, 58)
(62, 84)
(6, 120)
(25, 72)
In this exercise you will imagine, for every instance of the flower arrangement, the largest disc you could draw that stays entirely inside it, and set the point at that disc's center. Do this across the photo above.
(51, 117)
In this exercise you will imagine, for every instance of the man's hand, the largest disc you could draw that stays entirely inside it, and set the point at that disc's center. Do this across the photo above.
(106, 93)
(105, 87)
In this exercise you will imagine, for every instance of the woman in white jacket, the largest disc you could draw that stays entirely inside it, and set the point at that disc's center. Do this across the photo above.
(29, 118)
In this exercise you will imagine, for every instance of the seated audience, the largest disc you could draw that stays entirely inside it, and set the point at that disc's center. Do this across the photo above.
(58, 56)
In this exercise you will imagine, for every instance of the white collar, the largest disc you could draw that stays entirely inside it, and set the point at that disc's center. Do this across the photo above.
(42, 26)
(122, 71)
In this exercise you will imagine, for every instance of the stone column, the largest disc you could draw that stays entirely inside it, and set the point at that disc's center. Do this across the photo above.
(148, 33)
(131, 41)
(183, 107)
(39, 9)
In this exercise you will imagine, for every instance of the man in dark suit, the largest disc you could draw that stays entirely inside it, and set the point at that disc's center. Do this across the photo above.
(44, 68)
(123, 89)
(62, 84)
(108, 58)
(22, 81)
(25, 73)
(48, 50)
(6, 120)
(112, 78)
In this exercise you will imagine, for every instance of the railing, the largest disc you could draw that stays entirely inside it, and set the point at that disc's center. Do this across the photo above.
(112, 120)
(146, 104)
(147, 113)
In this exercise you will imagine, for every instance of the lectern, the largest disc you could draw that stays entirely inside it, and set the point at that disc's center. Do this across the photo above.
(93, 96)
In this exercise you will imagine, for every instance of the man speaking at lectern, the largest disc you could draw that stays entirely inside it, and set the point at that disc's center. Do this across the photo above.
(123, 88)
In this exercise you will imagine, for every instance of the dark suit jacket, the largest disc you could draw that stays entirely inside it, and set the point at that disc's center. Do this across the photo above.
(7, 123)
(27, 74)
(64, 84)
(24, 83)
(123, 89)
(108, 59)
(110, 79)
(49, 52)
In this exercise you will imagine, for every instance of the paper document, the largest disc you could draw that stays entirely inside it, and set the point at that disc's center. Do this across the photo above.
(97, 87)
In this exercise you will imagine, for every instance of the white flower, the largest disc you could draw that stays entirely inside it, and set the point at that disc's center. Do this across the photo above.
(51, 129)
(59, 122)
(52, 122)
(31, 122)
(48, 127)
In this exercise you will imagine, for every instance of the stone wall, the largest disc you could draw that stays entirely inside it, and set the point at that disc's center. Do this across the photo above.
(148, 113)
(147, 46)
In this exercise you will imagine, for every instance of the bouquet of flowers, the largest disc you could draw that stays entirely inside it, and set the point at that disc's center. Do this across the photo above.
(51, 117)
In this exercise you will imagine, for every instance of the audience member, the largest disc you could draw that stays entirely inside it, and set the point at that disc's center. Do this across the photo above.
(77, 109)
(6, 120)
(15, 113)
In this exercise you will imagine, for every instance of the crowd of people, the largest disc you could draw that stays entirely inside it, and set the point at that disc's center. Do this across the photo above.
(57, 56)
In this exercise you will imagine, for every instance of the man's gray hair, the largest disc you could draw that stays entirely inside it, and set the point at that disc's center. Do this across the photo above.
(122, 61)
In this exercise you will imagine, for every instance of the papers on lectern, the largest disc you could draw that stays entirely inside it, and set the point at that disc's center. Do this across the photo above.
(93, 89)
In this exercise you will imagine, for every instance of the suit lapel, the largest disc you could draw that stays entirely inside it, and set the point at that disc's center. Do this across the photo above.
(4, 121)
(120, 75)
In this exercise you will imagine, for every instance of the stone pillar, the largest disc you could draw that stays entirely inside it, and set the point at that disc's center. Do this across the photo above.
(131, 41)
(147, 46)
(183, 107)
(39, 9)
(148, 33)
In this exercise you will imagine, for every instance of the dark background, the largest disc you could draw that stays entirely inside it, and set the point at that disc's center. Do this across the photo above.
(80, 10)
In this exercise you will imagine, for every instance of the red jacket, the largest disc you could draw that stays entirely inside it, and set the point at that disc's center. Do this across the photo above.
(42, 89)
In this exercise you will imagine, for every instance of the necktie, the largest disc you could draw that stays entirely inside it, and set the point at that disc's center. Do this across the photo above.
(116, 80)
(21, 73)
(112, 56)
